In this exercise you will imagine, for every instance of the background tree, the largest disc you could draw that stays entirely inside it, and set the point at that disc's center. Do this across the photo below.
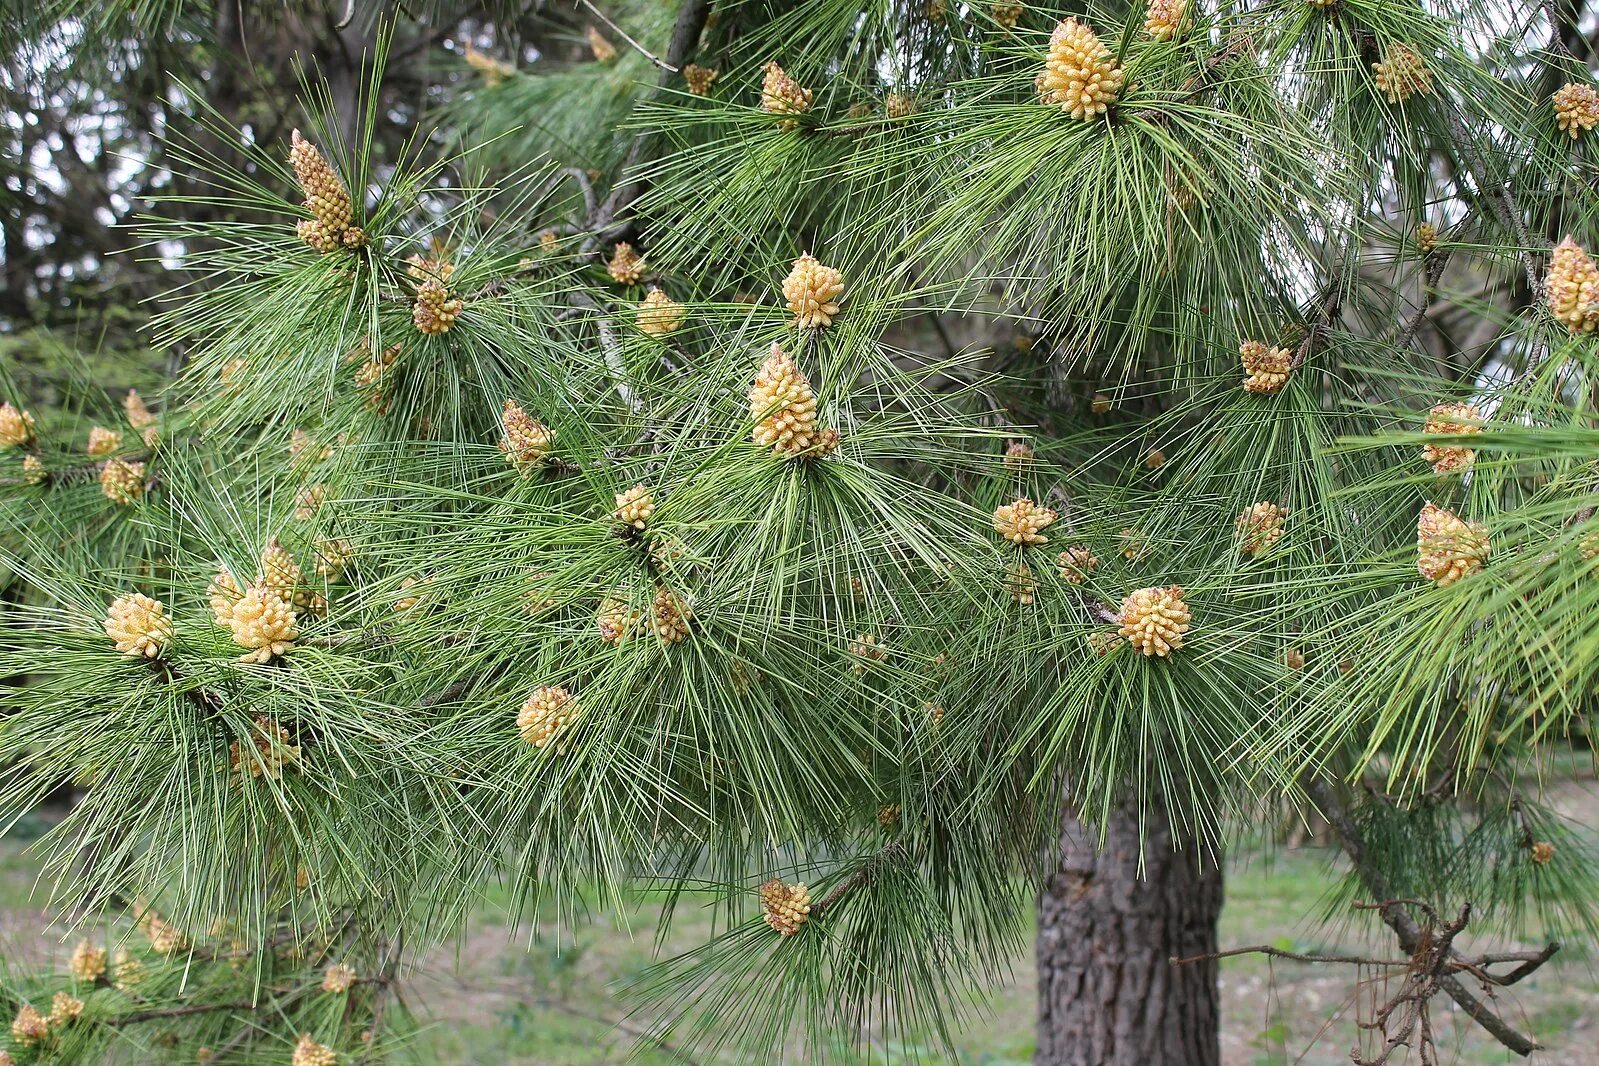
(874, 465)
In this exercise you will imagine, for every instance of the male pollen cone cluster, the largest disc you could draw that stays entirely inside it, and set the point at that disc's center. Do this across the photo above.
(1154, 620)
(326, 197)
(1080, 75)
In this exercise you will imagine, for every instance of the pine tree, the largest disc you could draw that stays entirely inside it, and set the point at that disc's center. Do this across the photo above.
(890, 468)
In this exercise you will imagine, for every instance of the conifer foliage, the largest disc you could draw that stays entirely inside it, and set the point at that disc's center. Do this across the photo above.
(786, 453)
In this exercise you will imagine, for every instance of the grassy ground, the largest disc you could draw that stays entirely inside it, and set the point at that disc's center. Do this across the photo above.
(502, 998)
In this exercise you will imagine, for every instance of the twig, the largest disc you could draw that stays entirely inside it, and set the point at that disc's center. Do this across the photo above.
(1267, 949)
(620, 32)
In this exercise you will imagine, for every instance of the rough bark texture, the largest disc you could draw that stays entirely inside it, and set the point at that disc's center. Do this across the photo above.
(1107, 994)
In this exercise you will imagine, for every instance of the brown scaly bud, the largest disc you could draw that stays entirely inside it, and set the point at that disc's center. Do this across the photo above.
(1268, 367)
(138, 625)
(1022, 585)
(865, 650)
(1455, 419)
(659, 314)
(782, 95)
(670, 616)
(1259, 526)
(103, 441)
(264, 623)
(29, 1027)
(546, 715)
(699, 78)
(526, 441)
(625, 266)
(888, 815)
(435, 309)
(272, 750)
(34, 471)
(494, 71)
(122, 482)
(1426, 238)
(1080, 75)
(337, 979)
(1018, 455)
(900, 105)
(326, 197)
(615, 621)
(1154, 620)
(783, 406)
(812, 291)
(1448, 547)
(1576, 108)
(1543, 852)
(1154, 458)
(785, 907)
(1023, 522)
(310, 1053)
(1572, 287)
(1008, 15)
(634, 507)
(1164, 18)
(604, 51)
(1100, 403)
(1076, 563)
(1401, 74)
(88, 962)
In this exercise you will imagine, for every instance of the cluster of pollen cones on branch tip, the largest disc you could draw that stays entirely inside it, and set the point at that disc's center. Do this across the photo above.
(783, 407)
(331, 225)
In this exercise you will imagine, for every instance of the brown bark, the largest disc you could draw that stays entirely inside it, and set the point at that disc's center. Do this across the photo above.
(1107, 992)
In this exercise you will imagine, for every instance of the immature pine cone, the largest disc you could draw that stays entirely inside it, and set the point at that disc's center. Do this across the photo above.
(493, 70)
(1135, 546)
(626, 266)
(899, 105)
(782, 95)
(670, 616)
(122, 482)
(783, 406)
(1426, 238)
(1163, 18)
(1076, 563)
(1576, 108)
(337, 979)
(935, 715)
(64, 1009)
(604, 51)
(1080, 75)
(546, 714)
(326, 197)
(1401, 74)
(264, 622)
(1267, 367)
(406, 603)
(103, 441)
(34, 471)
(786, 907)
(1572, 287)
(634, 507)
(615, 621)
(310, 1053)
(1259, 527)
(1022, 522)
(1448, 547)
(29, 1027)
(699, 78)
(16, 426)
(435, 309)
(138, 625)
(527, 441)
(88, 962)
(272, 750)
(1154, 620)
(1455, 419)
(812, 291)
(659, 314)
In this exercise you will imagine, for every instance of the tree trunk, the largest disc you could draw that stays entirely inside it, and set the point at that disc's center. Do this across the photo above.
(1107, 994)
